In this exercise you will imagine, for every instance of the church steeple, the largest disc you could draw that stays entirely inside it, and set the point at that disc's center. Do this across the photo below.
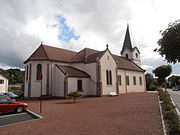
(127, 41)
(131, 53)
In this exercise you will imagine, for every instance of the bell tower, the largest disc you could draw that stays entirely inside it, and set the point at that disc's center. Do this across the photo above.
(128, 51)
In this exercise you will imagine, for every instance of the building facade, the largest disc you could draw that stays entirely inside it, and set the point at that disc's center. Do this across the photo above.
(3, 83)
(94, 72)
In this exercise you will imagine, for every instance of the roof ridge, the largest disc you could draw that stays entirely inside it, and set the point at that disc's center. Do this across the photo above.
(44, 50)
(58, 48)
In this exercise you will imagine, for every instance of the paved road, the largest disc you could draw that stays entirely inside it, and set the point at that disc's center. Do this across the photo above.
(15, 118)
(175, 96)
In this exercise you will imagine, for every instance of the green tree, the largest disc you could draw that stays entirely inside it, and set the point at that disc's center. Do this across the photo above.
(149, 80)
(174, 80)
(162, 72)
(169, 44)
(15, 75)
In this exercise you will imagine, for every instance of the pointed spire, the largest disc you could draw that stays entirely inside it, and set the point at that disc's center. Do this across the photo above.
(127, 41)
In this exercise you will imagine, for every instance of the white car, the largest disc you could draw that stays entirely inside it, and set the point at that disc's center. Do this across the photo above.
(10, 95)
(176, 88)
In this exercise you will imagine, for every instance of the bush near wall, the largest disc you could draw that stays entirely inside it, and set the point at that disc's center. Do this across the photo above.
(170, 115)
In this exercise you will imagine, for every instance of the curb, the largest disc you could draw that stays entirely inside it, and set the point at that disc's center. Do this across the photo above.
(162, 119)
(177, 109)
(34, 114)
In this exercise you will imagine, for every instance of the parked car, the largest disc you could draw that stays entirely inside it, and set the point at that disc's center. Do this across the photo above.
(177, 88)
(20, 94)
(7, 105)
(2, 95)
(11, 95)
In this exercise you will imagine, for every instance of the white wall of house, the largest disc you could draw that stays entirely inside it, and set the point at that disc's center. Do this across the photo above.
(122, 87)
(59, 83)
(36, 84)
(131, 88)
(54, 76)
(136, 59)
(89, 84)
(107, 63)
(90, 69)
(130, 54)
(4, 85)
(86, 82)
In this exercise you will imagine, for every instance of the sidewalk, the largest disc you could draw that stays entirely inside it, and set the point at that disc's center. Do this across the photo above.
(126, 114)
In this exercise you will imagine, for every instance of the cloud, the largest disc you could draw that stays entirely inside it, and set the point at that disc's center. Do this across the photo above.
(93, 24)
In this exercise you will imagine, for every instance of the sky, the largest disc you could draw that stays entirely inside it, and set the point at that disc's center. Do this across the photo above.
(76, 24)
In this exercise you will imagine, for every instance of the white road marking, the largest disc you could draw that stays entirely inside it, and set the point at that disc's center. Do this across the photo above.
(10, 115)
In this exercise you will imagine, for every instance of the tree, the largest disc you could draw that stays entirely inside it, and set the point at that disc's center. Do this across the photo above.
(162, 72)
(15, 75)
(149, 80)
(170, 43)
(174, 80)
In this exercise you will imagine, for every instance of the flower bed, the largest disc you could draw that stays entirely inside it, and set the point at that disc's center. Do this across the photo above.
(170, 115)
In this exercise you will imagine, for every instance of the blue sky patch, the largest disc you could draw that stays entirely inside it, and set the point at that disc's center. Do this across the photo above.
(66, 32)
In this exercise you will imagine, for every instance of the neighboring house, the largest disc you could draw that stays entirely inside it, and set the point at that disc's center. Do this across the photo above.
(3, 83)
(94, 72)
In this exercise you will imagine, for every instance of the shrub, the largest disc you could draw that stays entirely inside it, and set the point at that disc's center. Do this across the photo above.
(75, 95)
(168, 107)
(169, 115)
(174, 128)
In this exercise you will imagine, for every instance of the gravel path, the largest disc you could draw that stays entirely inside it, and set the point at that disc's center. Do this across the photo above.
(126, 114)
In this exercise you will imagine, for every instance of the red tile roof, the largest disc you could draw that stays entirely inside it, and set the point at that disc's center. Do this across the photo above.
(4, 75)
(72, 72)
(124, 63)
(44, 52)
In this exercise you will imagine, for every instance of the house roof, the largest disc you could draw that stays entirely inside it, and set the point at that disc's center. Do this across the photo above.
(4, 75)
(124, 63)
(44, 52)
(72, 72)
(87, 55)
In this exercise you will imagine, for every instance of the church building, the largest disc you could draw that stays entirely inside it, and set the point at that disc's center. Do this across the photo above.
(95, 73)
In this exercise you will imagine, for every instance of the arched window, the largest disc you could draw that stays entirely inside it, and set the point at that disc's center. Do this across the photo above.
(126, 55)
(108, 77)
(39, 71)
(136, 55)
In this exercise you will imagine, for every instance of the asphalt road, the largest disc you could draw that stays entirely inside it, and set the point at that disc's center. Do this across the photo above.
(15, 118)
(175, 95)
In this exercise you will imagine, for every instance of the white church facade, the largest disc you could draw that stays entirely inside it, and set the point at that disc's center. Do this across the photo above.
(95, 73)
